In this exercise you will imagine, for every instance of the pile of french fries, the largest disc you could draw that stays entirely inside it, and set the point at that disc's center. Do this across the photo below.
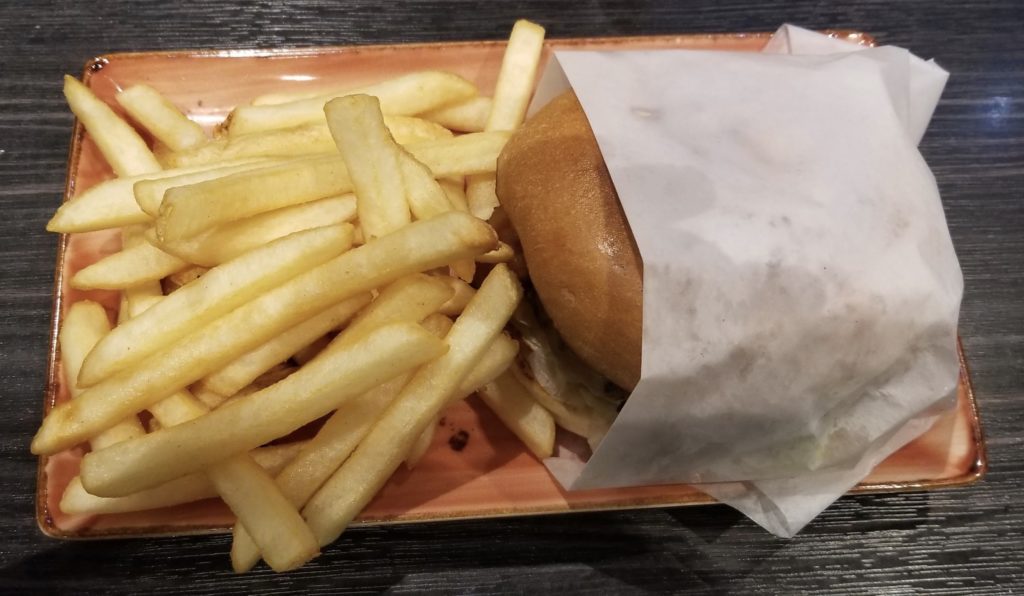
(315, 258)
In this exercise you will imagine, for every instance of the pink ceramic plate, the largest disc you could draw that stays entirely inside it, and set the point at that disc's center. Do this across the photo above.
(493, 474)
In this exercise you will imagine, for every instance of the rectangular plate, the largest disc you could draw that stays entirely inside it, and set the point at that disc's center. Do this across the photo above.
(493, 475)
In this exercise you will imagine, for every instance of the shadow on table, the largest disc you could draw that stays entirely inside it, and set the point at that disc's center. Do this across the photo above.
(701, 549)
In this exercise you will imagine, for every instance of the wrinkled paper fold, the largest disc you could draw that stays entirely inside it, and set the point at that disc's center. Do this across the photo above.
(801, 291)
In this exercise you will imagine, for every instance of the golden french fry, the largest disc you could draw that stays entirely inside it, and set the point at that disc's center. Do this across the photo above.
(298, 141)
(122, 147)
(189, 210)
(407, 95)
(316, 389)
(515, 79)
(466, 116)
(284, 539)
(502, 254)
(219, 291)
(231, 240)
(149, 192)
(473, 153)
(233, 377)
(481, 195)
(373, 161)
(455, 188)
(463, 292)
(83, 326)
(521, 413)
(186, 489)
(363, 474)
(408, 300)
(160, 117)
(347, 427)
(420, 246)
(109, 204)
(128, 268)
(425, 196)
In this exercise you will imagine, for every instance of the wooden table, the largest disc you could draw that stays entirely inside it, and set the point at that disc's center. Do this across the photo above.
(954, 541)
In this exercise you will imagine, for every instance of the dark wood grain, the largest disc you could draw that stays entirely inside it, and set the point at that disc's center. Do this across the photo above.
(955, 541)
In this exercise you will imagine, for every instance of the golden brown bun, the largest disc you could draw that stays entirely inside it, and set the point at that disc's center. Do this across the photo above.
(584, 263)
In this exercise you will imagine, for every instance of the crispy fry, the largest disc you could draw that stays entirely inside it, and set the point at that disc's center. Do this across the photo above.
(515, 79)
(149, 192)
(373, 160)
(420, 446)
(481, 195)
(466, 116)
(128, 268)
(312, 349)
(420, 246)
(189, 210)
(160, 117)
(407, 95)
(219, 291)
(316, 389)
(455, 188)
(502, 254)
(186, 489)
(122, 147)
(474, 153)
(231, 240)
(425, 196)
(362, 475)
(463, 292)
(521, 413)
(244, 370)
(85, 324)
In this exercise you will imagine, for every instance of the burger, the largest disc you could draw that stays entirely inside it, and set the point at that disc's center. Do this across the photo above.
(582, 325)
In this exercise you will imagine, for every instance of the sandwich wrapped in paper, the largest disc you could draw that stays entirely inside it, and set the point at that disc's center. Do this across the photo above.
(800, 289)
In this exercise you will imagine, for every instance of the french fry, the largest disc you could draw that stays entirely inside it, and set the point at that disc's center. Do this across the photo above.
(425, 196)
(347, 427)
(373, 160)
(109, 204)
(231, 240)
(463, 292)
(316, 389)
(411, 299)
(122, 147)
(581, 418)
(160, 117)
(481, 195)
(407, 95)
(502, 254)
(474, 153)
(298, 141)
(186, 489)
(511, 96)
(230, 379)
(149, 192)
(85, 324)
(128, 268)
(219, 291)
(253, 496)
(363, 474)
(455, 188)
(189, 210)
(420, 246)
(466, 116)
(521, 413)
(519, 65)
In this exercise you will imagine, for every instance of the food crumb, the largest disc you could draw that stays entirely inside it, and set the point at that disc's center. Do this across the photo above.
(458, 440)
(441, 421)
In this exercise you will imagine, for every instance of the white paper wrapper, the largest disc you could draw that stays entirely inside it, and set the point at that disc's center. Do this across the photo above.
(801, 292)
